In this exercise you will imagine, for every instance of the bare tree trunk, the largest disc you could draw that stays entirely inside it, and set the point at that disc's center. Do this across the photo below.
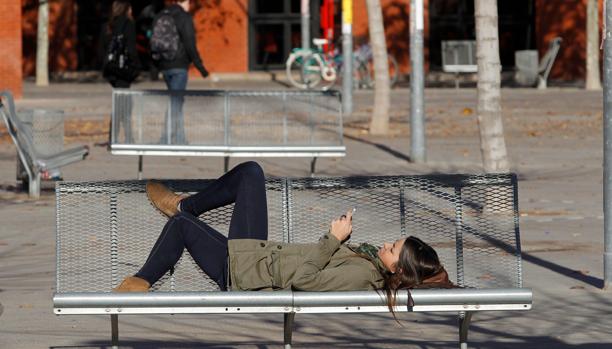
(382, 89)
(42, 45)
(593, 81)
(492, 143)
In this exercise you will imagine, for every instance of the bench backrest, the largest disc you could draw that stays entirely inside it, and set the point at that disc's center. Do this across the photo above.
(459, 56)
(22, 137)
(105, 230)
(228, 118)
(549, 57)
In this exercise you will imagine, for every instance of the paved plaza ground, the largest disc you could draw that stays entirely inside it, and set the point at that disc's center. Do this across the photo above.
(554, 139)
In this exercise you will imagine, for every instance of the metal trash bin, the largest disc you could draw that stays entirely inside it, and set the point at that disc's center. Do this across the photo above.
(47, 130)
(527, 66)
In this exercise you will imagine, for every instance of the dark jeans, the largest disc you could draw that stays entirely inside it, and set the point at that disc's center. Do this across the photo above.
(244, 186)
(176, 80)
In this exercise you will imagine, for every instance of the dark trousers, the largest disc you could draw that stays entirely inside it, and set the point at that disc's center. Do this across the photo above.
(176, 80)
(244, 186)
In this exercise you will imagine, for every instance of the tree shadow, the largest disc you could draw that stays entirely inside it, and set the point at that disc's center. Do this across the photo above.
(382, 147)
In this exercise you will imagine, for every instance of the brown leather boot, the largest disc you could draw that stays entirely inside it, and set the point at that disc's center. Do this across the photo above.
(164, 199)
(132, 284)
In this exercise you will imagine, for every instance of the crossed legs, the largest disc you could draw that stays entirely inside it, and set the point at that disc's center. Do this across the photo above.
(244, 186)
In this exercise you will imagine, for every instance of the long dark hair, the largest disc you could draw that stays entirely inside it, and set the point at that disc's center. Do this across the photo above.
(118, 9)
(417, 262)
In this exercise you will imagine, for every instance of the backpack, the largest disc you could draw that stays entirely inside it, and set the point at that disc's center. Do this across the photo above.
(165, 39)
(117, 62)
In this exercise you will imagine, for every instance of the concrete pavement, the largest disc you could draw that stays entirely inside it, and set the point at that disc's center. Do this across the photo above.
(554, 140)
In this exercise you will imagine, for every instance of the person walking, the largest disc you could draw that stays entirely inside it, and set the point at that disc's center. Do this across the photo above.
(173, 47)
(120, 63)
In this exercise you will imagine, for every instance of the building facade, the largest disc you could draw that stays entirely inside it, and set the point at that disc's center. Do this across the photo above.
(10, 47)
(252, 35)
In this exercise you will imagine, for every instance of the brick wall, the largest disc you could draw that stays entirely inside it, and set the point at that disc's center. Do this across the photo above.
(222, 35)
(396, 15)
(567, 19)
(10, 46)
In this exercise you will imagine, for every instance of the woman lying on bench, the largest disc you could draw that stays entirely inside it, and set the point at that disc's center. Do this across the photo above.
(246, 260)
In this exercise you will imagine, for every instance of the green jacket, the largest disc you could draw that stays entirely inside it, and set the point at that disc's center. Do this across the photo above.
(324, 266)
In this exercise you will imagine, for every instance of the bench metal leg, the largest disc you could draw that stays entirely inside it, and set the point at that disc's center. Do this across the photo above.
(139, 167)
(115, 331)
(288, 329)
(226, 164)
(464, 325)
(313, 163)
(34, 186)
(542, 83)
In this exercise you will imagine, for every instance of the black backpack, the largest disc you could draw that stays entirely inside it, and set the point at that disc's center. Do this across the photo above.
(165, 39)
(117, 62)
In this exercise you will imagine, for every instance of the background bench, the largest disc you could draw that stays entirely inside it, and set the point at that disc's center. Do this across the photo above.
(35, 161)
(228, 124)
(105, 231)
(459, 57)
(529, 71)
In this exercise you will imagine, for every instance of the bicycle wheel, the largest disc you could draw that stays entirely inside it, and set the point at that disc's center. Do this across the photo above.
(304, 69)
(393, 72)
(357, 73)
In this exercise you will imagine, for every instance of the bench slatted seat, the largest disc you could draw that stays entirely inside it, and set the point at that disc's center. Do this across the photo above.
(35, 163)
(105, 231)
(227, 124)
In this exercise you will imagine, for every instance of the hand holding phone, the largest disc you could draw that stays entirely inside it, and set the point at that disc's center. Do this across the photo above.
(341, 228)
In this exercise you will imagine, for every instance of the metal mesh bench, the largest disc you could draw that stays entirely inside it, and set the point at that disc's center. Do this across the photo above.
(105, 231)
(46, 129)
(459, 56)
(35, 160)
(529, 71)
(227, 124)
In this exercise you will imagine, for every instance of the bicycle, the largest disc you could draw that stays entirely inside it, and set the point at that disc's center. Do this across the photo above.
(307, 68)
(365, 65)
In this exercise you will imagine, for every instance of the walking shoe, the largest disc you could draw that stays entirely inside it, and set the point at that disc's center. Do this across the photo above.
(164, 199)
(132, 284)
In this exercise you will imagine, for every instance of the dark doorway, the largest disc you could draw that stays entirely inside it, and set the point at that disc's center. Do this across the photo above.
(454, 20)
(274, 29)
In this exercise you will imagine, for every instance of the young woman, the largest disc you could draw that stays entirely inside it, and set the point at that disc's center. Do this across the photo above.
(120, 63)
(245, 260)
(118, 36)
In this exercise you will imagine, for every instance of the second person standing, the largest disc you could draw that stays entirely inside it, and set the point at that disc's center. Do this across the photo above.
(173, 47)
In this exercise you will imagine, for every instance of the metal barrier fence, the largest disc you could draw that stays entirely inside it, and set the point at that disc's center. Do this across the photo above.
(227, 123)
(105, 230)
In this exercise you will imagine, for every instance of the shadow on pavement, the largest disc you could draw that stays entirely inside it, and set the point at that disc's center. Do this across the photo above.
(570, 273)
(382, 147)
